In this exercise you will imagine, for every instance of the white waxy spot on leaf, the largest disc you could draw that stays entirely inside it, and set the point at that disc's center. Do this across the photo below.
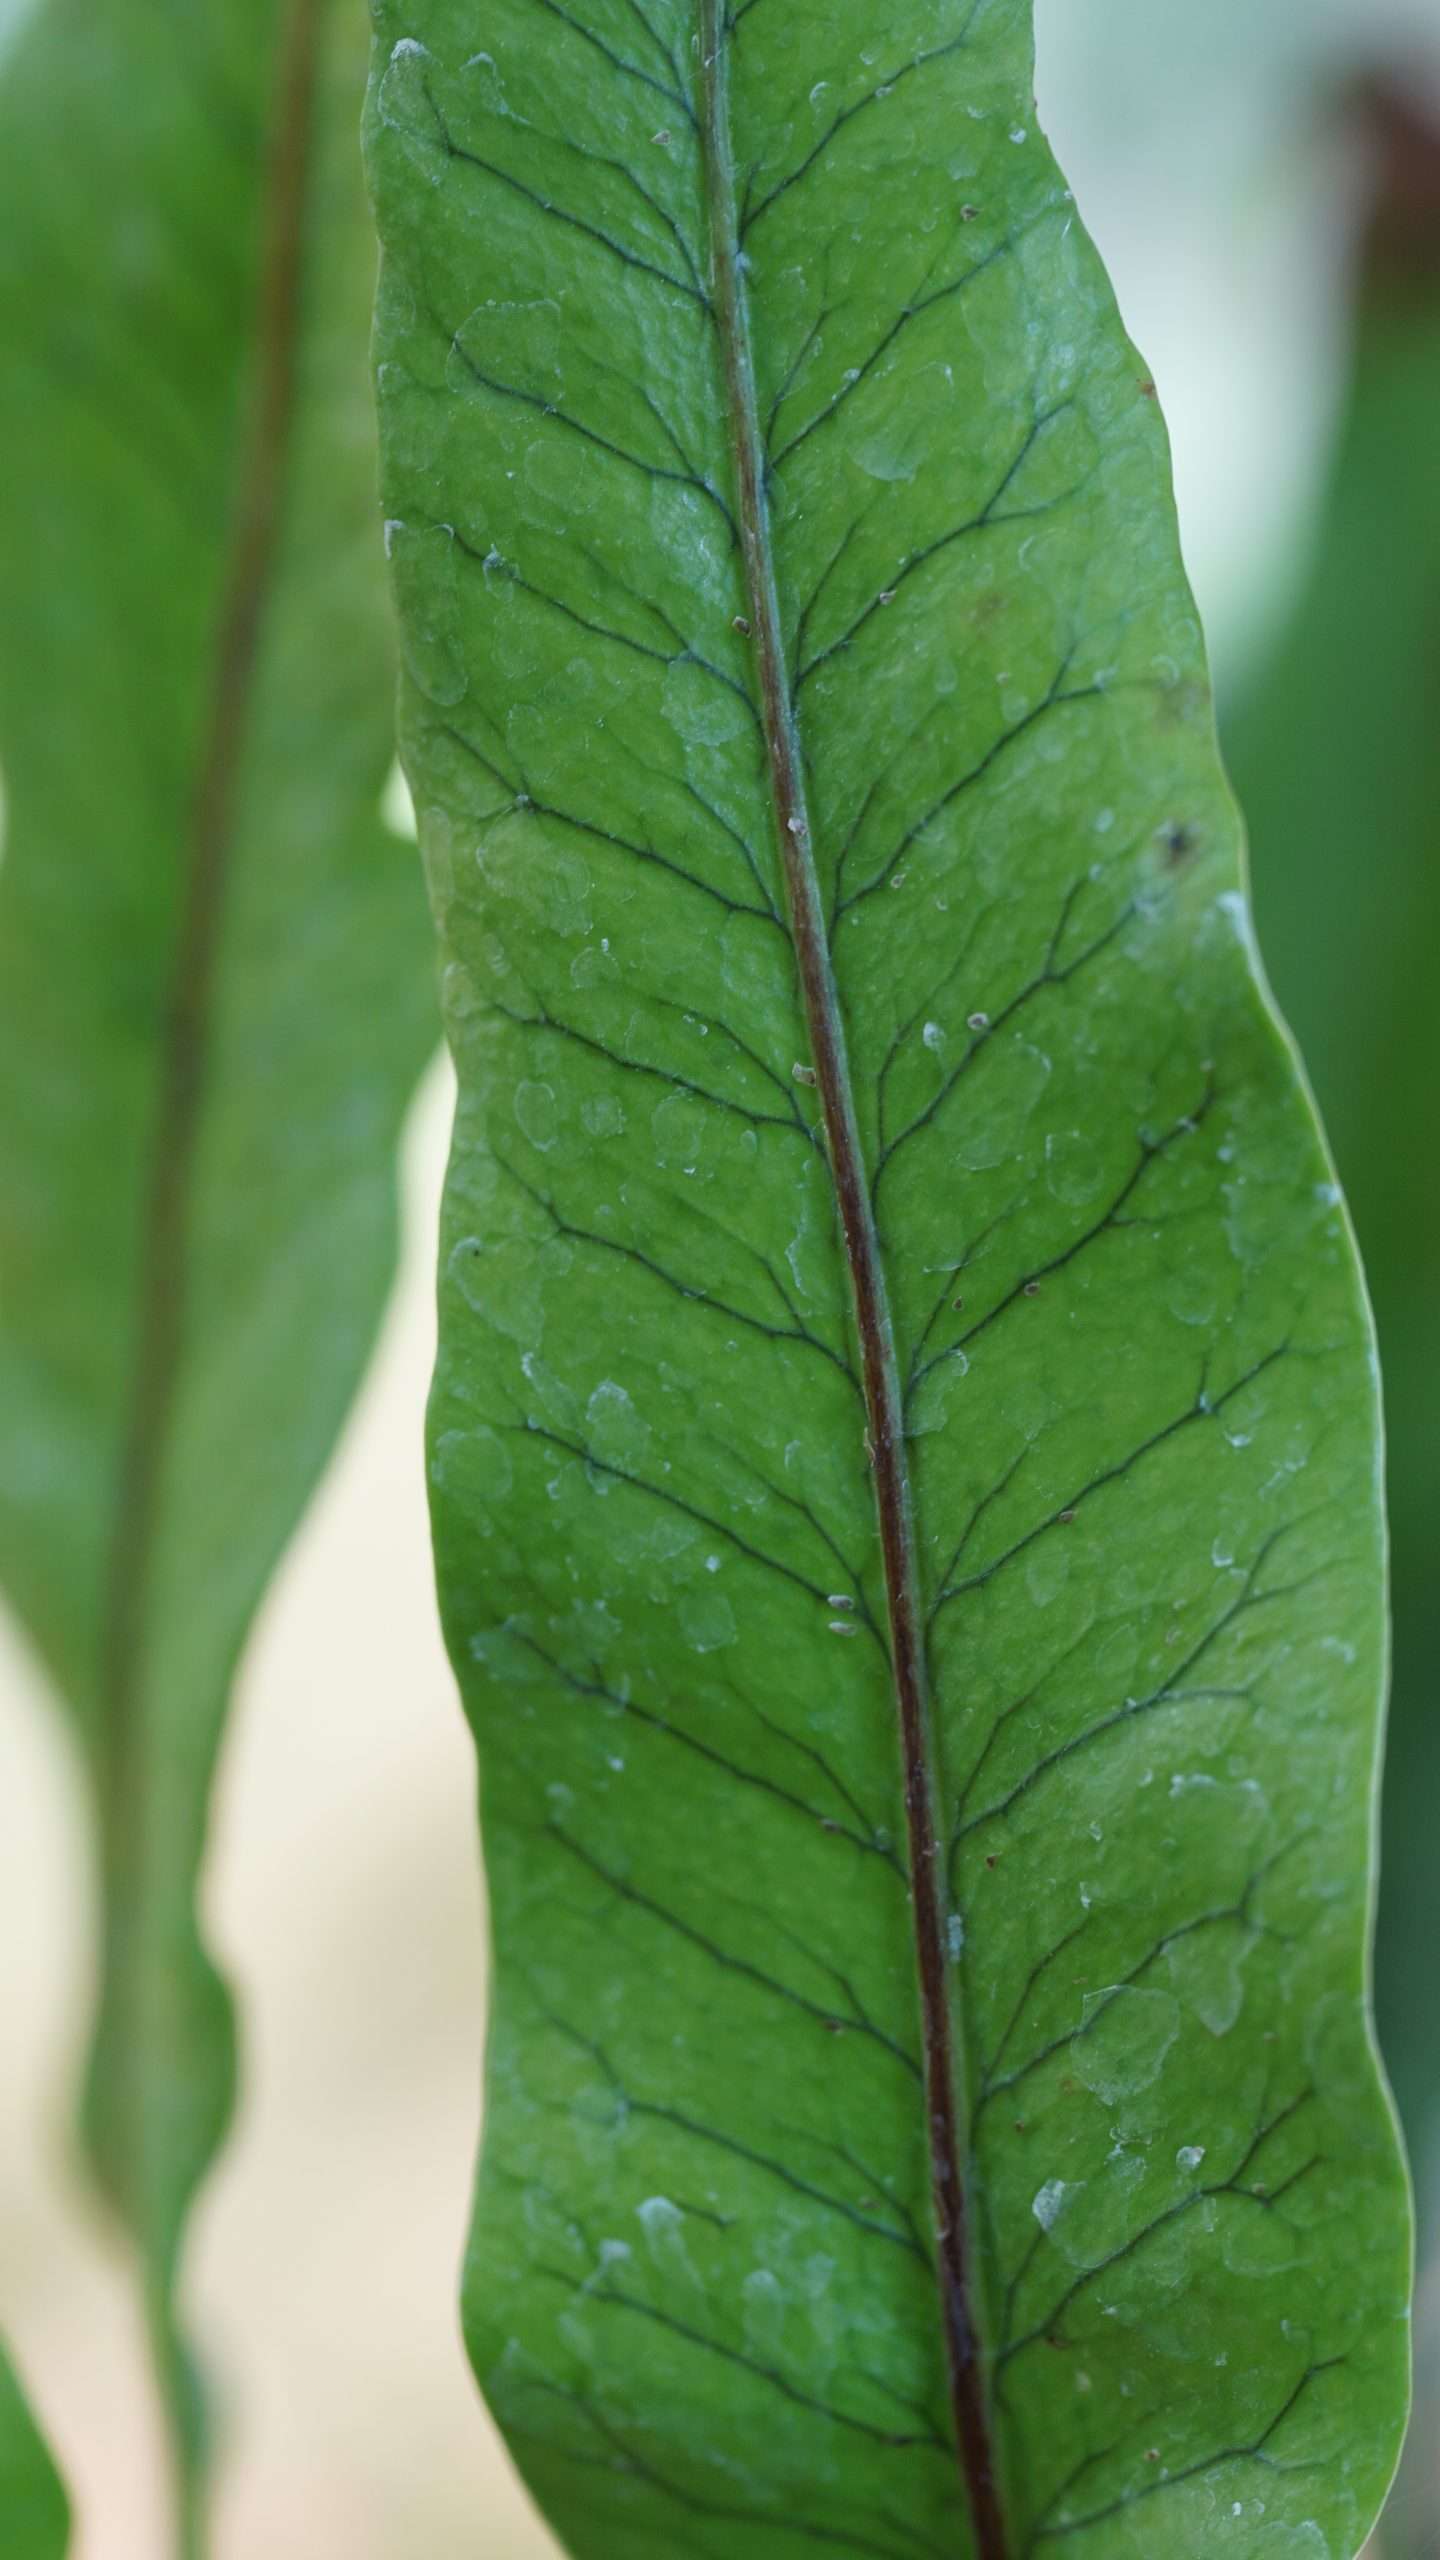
(1051, 2199)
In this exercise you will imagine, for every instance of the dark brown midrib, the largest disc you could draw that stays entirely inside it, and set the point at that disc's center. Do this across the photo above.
(880, 1374)
(160, 1317)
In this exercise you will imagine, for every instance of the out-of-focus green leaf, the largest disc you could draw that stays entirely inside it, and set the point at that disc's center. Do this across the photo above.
(904, 1447)
(1336, 750)
(1336, 747)
(213, 984)
(34, 2517)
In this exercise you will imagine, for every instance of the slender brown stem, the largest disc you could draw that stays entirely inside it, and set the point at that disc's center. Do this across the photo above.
(879, 1368)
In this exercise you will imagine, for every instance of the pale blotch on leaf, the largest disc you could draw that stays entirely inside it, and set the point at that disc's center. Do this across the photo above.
(601, 1116)
(595, 966)
(1008, 1089)
(663, 2224)
(1050, 2200)
(423, 568)
(503, 1281)
(530, 336)
(537, 1113)
(409, 112)
(558, 1403)
(1207, 1972)
(764, 2311)
(1047, 1571)
(472, 1463)
(1254, 2241)
(1122, 2046)
(708, 1621)
(700, 709)
(678, 1125)
(559, 882)
(615, 1432)
(1074, 1167)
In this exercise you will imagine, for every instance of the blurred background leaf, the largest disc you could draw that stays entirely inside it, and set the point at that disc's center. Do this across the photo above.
(1335, 754)
(214, 976)
(33, 2509)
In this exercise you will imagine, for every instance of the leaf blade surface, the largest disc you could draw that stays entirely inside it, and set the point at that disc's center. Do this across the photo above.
(931, 667)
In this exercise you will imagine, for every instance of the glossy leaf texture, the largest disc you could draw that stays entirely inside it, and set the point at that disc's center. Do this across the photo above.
(214, 981)
(1335, 746)
(33, 2511)
(904, 1446)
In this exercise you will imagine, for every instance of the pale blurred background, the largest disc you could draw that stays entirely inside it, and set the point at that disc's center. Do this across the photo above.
(343, 1895)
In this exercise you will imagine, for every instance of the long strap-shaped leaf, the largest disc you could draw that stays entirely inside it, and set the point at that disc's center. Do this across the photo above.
(34, 2516)
(904, 1442)
(213, 983)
